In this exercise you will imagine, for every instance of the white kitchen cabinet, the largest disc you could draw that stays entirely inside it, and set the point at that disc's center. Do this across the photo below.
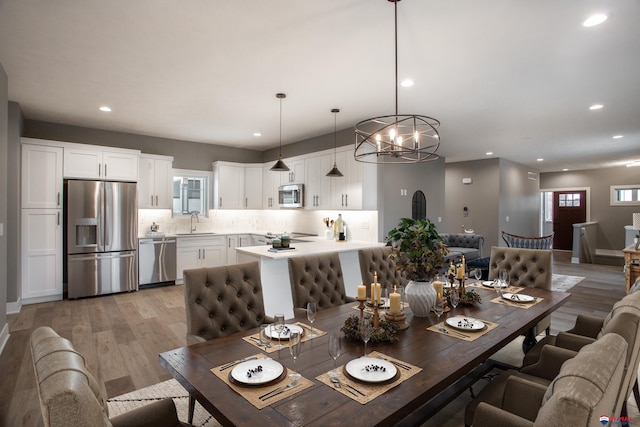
(90, 162)
(317, 184)
(346, 191)
(41, 252)
(228, 185)
(270, 184)
(296, 172)
(155, 182)
(236, 241)
(253, 186)
(199, 252)
(41, 177)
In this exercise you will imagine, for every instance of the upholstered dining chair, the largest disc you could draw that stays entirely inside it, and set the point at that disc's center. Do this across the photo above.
(377, 260)
(70, 396)
(527, 267)
(515, 241)
(585, 388)
(317, 278)
(221, 301)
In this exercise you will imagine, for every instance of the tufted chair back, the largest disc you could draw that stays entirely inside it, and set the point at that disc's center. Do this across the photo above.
(378, 260)
(317, 278)
(527, 267)
(221, 301)
(515, 241)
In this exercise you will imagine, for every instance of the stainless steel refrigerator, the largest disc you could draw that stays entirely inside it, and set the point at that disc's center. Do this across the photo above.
(101, 221)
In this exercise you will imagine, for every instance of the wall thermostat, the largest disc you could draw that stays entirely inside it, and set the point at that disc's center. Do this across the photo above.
(467, 180)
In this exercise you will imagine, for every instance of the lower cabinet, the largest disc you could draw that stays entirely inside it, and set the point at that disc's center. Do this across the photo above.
(199, 252)
(41, 255)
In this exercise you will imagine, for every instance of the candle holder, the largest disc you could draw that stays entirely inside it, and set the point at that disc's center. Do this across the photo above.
(400, 319)
(376, 316)
(461, 289)
(361, 307)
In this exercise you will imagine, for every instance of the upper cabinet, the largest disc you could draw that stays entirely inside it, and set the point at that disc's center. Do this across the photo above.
(270, 184)
(41, 177)
(295, 174)
(346, 191)
(154, 183)
(237, 186)
(90, 162)
(317, 183)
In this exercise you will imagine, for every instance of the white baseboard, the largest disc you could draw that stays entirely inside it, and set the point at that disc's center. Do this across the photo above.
(4, 337)
(14, 307)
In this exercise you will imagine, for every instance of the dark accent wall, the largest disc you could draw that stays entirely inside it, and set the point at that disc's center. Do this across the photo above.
(4, 178)
(611, 219)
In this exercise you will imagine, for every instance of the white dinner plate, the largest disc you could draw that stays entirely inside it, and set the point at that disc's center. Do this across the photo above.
(257, 372)
(492, 284)
(465, 323)
(284, 335)
(447, 285)
(371, 369)
(518, 297)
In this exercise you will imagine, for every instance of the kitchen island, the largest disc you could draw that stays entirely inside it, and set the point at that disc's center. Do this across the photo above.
(274, 268)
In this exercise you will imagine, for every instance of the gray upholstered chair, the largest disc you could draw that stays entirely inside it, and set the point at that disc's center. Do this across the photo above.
(586, 388)
(317, 278)
(377, 260)
(70, 396)
(526, 267)
(515, 241)
(221, 301)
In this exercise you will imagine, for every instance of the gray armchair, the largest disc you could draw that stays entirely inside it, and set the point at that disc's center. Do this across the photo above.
(515, 241)
(377, 260)
(221, 301)
(317, 278)
(70, 396)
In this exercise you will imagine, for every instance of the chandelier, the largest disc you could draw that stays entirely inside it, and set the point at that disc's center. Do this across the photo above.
(397, 138)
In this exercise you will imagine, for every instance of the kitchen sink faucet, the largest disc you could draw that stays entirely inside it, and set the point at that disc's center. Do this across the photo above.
(194, 213)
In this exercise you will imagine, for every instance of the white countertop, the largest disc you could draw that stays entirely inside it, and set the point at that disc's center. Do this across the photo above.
(317, 246)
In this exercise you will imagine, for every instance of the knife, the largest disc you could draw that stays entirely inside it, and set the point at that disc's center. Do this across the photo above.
(278, 391)
(355, 389)
(235, 362)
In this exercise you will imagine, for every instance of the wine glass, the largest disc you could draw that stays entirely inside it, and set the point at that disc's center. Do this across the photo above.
(278, 327)
(438, 308)
(366, 329)
(335, 348)
(311, 316)
(477, 273)
(505, 277)
(454, 297)
(265, 335)
(294, 348)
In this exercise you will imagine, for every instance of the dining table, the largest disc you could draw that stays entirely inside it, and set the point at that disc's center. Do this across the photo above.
(437, 361)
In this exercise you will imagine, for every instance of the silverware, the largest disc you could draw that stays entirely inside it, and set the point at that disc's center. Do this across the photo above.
(402, 365)
(355, 389)
(260, 342)
(460, 334)
(336, 382)
(235, 362)
(278, 391)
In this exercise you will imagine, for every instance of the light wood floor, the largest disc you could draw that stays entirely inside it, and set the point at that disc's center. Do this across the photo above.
(121, 335)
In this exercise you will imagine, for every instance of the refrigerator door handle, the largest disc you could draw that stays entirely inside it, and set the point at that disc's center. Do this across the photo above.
(114, 255)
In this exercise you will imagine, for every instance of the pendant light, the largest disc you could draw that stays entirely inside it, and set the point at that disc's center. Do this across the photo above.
(335, 172)
(397, 138)
(279, 166)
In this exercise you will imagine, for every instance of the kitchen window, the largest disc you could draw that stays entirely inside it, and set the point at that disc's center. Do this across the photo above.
(190, 192)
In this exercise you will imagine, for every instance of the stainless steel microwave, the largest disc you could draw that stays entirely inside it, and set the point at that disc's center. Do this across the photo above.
(291, 196)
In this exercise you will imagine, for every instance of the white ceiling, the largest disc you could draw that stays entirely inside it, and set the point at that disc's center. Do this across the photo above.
(515, 77)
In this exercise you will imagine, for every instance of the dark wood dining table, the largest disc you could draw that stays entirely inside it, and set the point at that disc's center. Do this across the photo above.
(444, 361)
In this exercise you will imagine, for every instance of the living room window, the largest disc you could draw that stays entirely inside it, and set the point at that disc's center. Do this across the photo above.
(625, 195)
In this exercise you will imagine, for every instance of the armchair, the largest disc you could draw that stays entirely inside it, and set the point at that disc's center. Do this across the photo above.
(515, 241)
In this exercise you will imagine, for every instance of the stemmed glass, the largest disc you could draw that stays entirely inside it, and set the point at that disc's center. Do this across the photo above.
(454, 297)
(503, 281)
(335, 348)
(311, 316)
(265, 336)
(366, 329)
(438, 309)
(278, 326)
(294, 348)
(477, 273)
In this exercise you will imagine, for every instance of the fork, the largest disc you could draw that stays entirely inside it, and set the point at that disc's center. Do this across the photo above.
(278, 390)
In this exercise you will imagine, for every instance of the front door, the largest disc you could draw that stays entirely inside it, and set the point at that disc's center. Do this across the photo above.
(569, 207)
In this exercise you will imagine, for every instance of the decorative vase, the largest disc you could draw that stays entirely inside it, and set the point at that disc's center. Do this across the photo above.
(421, 297)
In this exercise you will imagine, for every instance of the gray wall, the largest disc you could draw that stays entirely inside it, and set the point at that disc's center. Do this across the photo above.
(4, 178)
(392, 205)
(611, 219)
(16, 120)
(499, 188)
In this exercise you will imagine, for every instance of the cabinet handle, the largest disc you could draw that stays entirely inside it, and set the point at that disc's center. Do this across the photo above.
(246, 202)
(99, 169)
(220, 202)
(346, 200)
(58, 198)
(151, 200)
(204, 253)
(58, 219)
(199, 257)
(342, 200)
(156, 200)
(229, 240)
(105, 170)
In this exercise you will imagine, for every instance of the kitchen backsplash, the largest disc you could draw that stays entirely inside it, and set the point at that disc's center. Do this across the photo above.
(361, 225)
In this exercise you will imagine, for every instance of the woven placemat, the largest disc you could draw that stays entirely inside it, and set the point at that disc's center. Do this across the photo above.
(444, 329)
(511, 289)
(253, 394)
(364, 392)
(255, 338)
(503, 301)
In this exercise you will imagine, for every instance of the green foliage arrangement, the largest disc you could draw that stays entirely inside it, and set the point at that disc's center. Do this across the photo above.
(386, 332)
(417, 248)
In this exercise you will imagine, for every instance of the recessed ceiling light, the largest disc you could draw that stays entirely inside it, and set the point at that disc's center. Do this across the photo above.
(633, 164)
(564, 170)
(540, 160)
(596, 107)
(105, 109)
(407, 83)
(257, 134)
(595, 20)
(489, 153)
(618, 136)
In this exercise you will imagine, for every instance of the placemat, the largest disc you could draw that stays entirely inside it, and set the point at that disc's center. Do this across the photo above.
(364, 393)
(511, 289)
(500, 300)
(253, 394)
(463, 335)
(255, 338)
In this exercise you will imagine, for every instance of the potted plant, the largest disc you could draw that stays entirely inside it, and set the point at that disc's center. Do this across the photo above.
(419, 253)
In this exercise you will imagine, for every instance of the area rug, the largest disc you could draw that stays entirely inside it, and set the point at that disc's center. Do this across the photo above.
(170, 388)
(562, 282)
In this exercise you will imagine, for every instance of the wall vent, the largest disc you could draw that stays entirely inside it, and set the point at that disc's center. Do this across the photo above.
(532, 176)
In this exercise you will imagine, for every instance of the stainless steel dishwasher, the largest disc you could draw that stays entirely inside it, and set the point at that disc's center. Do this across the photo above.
(156, 261)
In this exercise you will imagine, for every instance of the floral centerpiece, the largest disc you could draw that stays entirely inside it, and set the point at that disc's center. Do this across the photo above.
(386, 332)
